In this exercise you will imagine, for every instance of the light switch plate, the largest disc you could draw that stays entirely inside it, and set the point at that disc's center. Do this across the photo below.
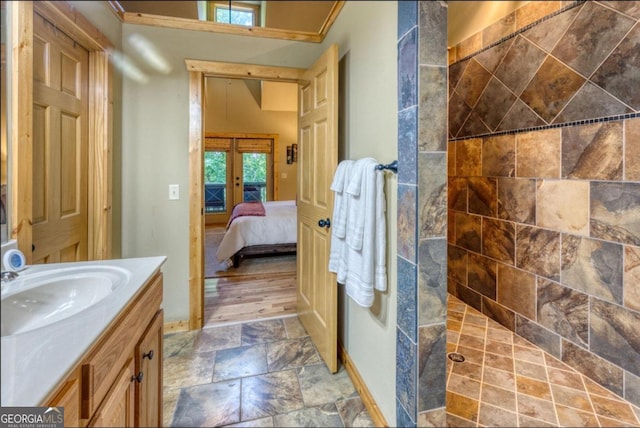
(174, 192)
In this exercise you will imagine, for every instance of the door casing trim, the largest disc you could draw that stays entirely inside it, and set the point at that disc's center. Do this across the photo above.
(198, 70)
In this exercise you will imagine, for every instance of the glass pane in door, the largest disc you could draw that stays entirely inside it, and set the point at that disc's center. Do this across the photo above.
(215, 182)
(254, 177)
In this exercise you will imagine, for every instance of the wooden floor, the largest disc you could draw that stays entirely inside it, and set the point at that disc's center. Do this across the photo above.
(245, 298)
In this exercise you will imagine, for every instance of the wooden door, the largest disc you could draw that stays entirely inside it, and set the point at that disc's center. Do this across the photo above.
(317, 303)
(117, 409)
(149, 363)
(60, 135)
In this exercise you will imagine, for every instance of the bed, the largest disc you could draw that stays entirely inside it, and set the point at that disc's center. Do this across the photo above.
(254, 236)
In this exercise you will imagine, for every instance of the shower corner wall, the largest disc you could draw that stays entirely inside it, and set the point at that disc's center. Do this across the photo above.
(422, 213)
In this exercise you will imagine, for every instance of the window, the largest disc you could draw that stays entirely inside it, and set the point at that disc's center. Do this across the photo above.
(237, 13)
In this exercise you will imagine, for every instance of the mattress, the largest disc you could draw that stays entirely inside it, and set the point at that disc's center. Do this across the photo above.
(277, 226)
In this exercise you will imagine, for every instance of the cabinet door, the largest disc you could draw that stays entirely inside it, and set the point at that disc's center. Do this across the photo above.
(117, 409)
(68, 396)
(149, 366)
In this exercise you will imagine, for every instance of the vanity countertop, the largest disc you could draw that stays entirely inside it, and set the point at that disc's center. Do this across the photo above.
(34, 362)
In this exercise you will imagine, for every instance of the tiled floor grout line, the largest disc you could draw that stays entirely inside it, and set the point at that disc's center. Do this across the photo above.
(515, 379)
(593, 408)
(553, 399)
(484, 354)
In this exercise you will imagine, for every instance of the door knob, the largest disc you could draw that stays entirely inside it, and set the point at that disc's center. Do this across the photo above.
(324, 223)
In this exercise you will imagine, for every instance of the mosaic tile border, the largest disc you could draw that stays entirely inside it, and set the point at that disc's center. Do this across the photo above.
(615, 118)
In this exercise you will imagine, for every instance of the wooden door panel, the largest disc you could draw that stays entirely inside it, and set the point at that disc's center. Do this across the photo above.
(69, 254)
(40, 164)
(318, 152)
(70, 75)
(305, 100)
(320, 88)
(305, 184)
(305, 263)
(70, 162)
(40, 62)
(321, 197)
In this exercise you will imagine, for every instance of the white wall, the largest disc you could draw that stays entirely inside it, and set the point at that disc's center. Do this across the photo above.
(366, 32)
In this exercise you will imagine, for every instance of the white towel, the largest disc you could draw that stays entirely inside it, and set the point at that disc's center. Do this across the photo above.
(361, 191)
(381, 234)
(362, 269)
(340, 209)
(340, 180)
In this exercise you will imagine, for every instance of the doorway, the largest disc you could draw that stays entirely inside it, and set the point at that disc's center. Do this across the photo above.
(318, 136)
(200, 77)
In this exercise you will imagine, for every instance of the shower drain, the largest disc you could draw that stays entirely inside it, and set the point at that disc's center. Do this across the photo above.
(456, 357)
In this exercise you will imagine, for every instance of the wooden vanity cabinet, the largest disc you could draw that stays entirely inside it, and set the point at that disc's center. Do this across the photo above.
(118, 383)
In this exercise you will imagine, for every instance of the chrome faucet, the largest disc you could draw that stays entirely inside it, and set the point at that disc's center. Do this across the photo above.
(8, 276)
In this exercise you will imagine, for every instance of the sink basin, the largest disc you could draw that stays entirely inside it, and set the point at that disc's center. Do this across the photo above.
(46, 297)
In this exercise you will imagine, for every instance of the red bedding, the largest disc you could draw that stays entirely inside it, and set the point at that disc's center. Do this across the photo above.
(245, 209)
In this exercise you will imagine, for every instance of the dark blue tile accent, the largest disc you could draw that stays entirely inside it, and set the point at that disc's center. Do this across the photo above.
(406, 373)
(407, 230)
(408, 70)
(407, 145)
(402, 418)
(407, 298)
(407, 16)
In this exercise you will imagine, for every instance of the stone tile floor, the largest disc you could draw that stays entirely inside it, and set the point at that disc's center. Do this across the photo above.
(261, 374)
(507, 381)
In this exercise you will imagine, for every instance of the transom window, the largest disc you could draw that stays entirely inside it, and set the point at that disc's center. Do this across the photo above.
(237, 13)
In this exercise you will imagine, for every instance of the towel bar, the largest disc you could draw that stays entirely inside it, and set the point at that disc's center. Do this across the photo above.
(393, 166)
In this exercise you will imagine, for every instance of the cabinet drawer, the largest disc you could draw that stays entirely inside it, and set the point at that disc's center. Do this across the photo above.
(103, 364)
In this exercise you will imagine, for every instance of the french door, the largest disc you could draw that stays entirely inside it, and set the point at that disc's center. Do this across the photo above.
(236, 169)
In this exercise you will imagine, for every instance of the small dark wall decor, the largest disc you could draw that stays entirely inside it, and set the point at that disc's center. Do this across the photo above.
(294, 153)
(289, 155)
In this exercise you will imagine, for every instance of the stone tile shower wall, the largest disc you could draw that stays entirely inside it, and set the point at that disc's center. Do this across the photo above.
(544, 183)
(422, 213)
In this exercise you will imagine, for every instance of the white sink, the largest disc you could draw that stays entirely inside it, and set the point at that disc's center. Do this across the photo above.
(45, 297)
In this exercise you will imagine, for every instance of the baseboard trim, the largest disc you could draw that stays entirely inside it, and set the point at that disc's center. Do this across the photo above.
(176, 326)
(361, 387)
